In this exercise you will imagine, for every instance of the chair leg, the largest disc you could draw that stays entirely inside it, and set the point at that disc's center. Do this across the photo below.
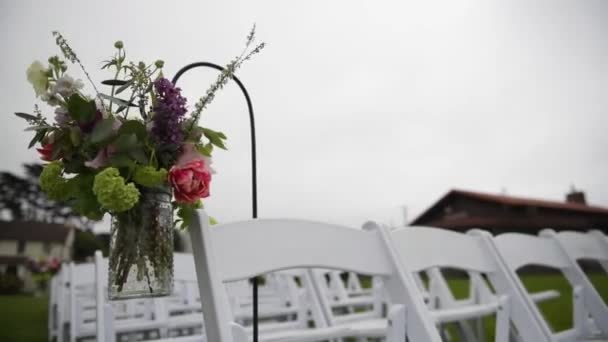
(503, 324)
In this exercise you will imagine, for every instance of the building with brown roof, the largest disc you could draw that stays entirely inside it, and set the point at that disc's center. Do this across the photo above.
(21, 241)
(463, 210)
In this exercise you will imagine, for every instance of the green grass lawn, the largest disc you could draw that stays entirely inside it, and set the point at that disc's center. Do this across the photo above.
(24, 318)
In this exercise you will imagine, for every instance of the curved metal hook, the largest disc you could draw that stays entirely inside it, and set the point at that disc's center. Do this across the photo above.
(254, 185)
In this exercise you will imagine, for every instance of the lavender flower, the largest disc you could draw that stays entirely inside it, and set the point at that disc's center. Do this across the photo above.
(168, 113)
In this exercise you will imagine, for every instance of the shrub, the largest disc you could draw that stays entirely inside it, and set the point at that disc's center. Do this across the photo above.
(10, 284)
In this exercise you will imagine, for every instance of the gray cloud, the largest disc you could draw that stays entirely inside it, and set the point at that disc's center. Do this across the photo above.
(362, 107)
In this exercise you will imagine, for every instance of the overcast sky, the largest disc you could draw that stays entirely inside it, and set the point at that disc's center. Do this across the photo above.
(362, 107)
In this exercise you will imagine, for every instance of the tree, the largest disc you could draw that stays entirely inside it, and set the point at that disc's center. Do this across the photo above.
(24, 200)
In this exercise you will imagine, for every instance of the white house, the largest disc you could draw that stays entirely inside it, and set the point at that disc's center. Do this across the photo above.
(24, 240)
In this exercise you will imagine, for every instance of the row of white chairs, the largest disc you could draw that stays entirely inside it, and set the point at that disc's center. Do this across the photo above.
(305, 299)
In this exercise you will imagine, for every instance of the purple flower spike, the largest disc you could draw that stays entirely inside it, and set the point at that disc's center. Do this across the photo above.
(168, 113)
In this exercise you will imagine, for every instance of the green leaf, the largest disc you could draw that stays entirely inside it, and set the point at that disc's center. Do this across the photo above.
(75, 136)
(102, 130)
(125, 142)
(116, 100)
(26, 116)
(38, 137)
(205, 149)
(122, 160)
(123, 87)
(139, 155)
(133, 127)
(114, 82)
(56, 152)
(80, 109)
(216, 138)
(108, 64)
(37, 128)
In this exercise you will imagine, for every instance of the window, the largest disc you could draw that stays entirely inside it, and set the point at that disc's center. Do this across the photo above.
(21, 247)
(46, 247)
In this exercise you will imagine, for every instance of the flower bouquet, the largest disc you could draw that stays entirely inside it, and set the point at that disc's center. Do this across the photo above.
(42, 270)
(134, 153)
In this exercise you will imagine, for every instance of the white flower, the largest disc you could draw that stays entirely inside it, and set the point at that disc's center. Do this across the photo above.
(67, 86)
(50, 98)
(61, 116)
(36, 75)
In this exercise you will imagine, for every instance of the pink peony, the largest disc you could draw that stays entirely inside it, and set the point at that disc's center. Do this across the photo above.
(190, 181)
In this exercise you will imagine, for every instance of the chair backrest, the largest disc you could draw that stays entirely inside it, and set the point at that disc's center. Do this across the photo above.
(519, 250)
(236, 251)
(427, 248)
(580, 245)
(422, 248)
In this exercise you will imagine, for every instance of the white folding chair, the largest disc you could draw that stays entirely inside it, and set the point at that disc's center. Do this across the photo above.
(57, 300)
(592, 245)
(80, 306)
(519, 250)
(584, 246)
(237, 251)
(363, 315)
(144, 319)
(421, 248)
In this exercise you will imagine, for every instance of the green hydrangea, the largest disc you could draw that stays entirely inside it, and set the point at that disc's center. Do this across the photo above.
(149, 176)
(112, 192)
(53, 183)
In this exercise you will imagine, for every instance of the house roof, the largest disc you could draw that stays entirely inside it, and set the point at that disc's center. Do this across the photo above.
(513, 201)
(33, 231)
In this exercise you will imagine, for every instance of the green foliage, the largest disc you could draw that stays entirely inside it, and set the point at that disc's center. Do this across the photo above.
(134, 127)
(85, 244)
(10, 284)
(81, 133)
(85, 201)
(103, 130)
(185, 212)
(205, 149)
(226, 75)
(215, 138)
(112, 192)
(125, 142)
(149, 176)
(53, 183)
(81, 109)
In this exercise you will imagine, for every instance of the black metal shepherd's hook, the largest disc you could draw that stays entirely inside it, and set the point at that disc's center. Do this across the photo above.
(254, 183)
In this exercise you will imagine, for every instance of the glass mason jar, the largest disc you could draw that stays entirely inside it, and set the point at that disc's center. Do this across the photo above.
(141, 248)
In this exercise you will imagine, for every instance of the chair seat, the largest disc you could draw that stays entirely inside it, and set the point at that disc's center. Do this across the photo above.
(305, 335)
(367, 328)
(354, 301)
(464, 312)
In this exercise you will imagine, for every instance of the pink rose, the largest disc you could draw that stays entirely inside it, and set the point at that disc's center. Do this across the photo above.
(190, 181)
(190, 153)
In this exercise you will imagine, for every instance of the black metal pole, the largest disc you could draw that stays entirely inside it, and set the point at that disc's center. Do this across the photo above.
(254, 183)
